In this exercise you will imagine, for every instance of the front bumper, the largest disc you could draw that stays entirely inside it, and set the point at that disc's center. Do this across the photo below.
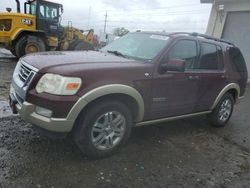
(27, 113)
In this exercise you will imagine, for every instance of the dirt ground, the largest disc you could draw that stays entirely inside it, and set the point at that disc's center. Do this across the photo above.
(184, 153)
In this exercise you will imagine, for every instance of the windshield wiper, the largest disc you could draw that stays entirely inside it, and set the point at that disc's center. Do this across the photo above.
(117, 53)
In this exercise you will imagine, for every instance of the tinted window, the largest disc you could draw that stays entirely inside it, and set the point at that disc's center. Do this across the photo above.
(237, 60)
(210, 57)
(185, 50)
(220, 58)
(32, 8)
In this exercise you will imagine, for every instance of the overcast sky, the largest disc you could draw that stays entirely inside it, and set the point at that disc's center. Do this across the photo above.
(150, 15)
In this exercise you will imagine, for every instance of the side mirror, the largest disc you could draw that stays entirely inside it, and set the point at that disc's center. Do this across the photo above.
(174, 65)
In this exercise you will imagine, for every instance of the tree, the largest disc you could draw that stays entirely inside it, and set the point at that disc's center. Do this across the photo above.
(120, 31)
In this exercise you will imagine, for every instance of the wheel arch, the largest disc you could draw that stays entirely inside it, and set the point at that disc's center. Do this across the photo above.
(126, 94)
(232, 88)
(22, 33)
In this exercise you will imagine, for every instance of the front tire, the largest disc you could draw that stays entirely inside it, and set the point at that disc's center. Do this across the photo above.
(29, 44)
(13, 52)
(103, 128)
(222, 112)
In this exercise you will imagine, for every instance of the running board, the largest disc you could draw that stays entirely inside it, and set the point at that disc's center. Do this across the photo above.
(170, 118)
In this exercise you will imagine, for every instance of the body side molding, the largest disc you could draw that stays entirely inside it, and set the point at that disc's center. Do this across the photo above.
(170, 118)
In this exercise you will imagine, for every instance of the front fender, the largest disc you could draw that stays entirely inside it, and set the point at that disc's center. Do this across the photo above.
(20, 31)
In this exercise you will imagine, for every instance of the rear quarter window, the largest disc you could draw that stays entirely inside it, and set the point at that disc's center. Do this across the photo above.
(237, 60)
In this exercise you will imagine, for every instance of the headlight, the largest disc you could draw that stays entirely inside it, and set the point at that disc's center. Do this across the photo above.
(58, 85)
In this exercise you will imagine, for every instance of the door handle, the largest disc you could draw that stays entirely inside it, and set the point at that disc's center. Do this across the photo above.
(196, 77)
(193, 77)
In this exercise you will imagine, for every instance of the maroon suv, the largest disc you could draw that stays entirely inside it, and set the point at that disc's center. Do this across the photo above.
(139, 79)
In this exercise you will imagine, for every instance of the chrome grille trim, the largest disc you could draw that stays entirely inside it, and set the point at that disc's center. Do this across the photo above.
(26, 72)
(22, 80)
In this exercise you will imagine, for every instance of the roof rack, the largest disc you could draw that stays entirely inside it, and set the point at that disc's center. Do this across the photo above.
(194, 34)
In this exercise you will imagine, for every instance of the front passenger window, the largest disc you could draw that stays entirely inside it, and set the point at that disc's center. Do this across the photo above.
(185, 50)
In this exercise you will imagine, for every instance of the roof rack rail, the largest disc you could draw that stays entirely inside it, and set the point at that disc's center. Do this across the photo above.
(194, 34)
(211, 38)
(180, 33)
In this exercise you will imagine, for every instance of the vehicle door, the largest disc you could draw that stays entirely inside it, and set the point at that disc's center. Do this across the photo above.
(175, 93)
(48, 18)
(212, 75)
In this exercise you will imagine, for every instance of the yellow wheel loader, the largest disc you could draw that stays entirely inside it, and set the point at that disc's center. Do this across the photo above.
(38, 29)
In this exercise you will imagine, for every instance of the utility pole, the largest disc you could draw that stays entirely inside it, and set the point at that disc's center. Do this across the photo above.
(89, 16)
(105, 22)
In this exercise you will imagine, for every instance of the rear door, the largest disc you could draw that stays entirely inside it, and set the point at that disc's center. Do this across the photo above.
(211, 74)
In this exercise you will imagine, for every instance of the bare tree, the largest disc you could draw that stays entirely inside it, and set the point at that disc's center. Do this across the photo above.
(120, 31)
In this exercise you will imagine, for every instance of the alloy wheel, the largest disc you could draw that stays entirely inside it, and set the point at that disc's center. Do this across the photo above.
(108, 130)
(225, 110)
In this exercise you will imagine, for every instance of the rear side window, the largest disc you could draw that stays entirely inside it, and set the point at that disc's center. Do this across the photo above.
(211, 57)
(237, 60)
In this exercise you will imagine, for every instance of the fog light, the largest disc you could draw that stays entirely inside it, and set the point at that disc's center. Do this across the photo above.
(43, 111)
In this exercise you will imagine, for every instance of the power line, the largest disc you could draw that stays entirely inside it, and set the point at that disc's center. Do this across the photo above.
(162, 13)
(143, 15)
(156, 8)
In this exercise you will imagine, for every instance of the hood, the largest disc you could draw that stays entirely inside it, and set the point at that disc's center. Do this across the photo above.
(47, 60)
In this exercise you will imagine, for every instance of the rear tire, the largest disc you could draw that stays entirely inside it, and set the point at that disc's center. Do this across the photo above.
(103, 128)
(29, 44)
(222, 112)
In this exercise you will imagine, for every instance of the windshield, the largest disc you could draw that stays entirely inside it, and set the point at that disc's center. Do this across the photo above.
(48, 12)
(138, 45)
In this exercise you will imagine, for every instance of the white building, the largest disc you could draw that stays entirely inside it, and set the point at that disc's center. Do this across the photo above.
(230, 20)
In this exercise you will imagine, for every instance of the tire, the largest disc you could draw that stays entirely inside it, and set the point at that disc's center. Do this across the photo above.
(29, 44)
(13, 52)
(95, 136)
(222, 112)
(82, 46)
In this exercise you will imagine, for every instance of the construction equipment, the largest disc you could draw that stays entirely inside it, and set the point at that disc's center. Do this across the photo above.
(38, 29)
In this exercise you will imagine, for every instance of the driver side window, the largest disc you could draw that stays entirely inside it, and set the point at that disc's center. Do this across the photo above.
(41, 11)
(185, 50)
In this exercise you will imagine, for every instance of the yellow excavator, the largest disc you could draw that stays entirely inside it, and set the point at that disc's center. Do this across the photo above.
(38, 29)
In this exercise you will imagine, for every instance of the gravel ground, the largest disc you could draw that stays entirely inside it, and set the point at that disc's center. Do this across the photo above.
(184, 153)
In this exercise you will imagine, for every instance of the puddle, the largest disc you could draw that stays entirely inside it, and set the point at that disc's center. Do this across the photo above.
(5, 109)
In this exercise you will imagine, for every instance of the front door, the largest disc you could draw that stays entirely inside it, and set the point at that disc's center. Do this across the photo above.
(175, 93)
(48, 18)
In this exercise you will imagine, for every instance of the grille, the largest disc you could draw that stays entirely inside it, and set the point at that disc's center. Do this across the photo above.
(24, 73)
